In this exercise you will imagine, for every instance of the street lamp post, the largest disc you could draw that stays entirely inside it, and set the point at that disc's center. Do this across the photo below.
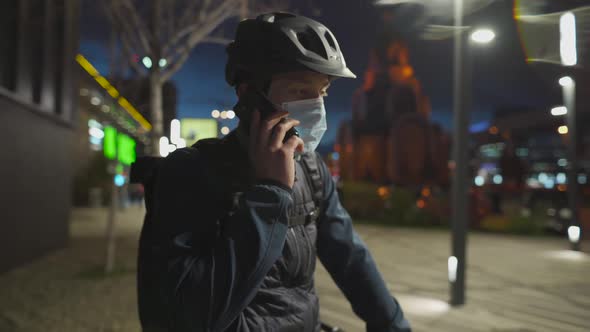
(569, 98)
(460, 196)
(462, 88)
(568, 54)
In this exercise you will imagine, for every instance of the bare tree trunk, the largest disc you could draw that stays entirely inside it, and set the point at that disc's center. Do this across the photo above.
(156, 109)
(155, 76)
(110, 231)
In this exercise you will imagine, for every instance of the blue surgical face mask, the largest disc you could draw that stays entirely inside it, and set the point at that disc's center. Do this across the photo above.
(311, 114)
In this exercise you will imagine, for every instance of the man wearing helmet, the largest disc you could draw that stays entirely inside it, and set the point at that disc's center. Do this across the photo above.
(234, 224)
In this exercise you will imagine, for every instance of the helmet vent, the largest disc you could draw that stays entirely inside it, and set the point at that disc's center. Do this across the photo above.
(330, 40)
(311, 42)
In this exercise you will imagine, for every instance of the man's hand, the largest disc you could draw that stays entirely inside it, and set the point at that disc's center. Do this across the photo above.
(272, 159)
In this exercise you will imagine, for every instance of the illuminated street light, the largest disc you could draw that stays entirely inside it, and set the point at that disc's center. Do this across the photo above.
(559, 110)
(231, 114)
(562, 130)
(225, 130)
(223, 115)
(483, 36)
(567, 40)
(566, 81)
(215, 114)
(162, 63)
(147, 62)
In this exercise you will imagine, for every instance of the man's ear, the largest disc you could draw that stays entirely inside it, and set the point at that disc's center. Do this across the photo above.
(241, 90)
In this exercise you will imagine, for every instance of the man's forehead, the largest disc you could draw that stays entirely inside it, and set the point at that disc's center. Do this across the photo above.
(305, 77)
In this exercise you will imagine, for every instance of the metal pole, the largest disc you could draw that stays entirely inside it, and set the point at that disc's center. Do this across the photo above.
(461, 176)
(569, 98)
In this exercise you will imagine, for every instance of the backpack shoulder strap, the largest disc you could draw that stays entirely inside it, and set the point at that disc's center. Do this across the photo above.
(313, 172)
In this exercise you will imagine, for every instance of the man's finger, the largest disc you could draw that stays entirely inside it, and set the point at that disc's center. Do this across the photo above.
(280, 130)
(294, 144)
(266, 127)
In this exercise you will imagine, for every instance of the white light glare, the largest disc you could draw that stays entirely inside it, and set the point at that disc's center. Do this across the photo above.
(147, 62)
(479, 181)
(497, 179)
(567, 39)
(164, 146)
(174, 131)
(562, 130)
(483, 36)
(215, 114)
(559, 110)
(453, 262)
(231, 114)
(96, 132)
(181, 143)
(162, 63)
(95, 101)
(566, 81)
(573, 233)
(225, 130)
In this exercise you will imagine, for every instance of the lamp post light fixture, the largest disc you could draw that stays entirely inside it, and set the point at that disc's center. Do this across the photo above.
(566, 81)
(568, 53)
(559, 110)
(482, 36)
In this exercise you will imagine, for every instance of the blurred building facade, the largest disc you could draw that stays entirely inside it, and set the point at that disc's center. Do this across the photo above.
(38, 118)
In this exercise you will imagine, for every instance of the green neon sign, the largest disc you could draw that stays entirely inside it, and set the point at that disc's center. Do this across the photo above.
(119, 146)
(110, 142)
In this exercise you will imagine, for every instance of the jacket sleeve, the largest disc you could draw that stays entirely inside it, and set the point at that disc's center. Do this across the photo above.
(350, 264)
(211, 273)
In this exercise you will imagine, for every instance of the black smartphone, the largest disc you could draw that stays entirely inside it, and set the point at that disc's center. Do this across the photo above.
(254, 99)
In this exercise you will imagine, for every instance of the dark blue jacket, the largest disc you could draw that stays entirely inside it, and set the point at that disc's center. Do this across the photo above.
(202, 269)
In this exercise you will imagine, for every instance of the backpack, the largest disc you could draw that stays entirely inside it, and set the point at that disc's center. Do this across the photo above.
(145, 171)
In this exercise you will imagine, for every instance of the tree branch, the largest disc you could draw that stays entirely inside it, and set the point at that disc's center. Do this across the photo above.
(199, 24)
(216, 40)
(122, 24)
(138, 26)
(125, 42)
(129, 55)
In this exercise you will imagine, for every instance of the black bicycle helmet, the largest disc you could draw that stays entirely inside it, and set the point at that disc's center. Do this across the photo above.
(281, 42)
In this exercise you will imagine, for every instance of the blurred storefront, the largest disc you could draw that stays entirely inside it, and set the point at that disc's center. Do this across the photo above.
(110, 134)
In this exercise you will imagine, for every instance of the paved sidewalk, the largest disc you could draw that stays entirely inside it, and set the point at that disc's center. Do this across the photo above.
(514, 283)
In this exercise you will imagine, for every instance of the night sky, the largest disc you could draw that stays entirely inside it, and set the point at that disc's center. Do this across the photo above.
(501, 77)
